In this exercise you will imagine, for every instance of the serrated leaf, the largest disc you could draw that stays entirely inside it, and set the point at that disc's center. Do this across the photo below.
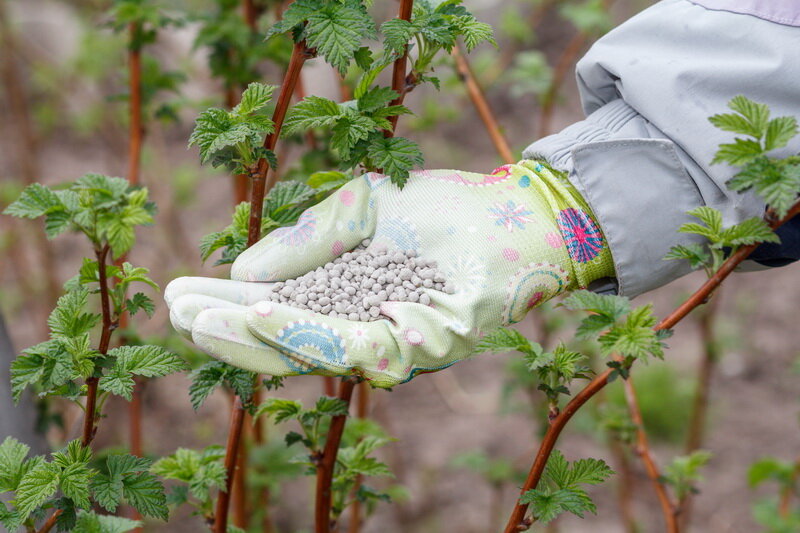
(311, 112)
(36, 200)
(506, 340)
(735, 123)
(396, 34)
(255, 97)
(148, 360)
(280, 408)
(12, 456)
(779, 132)
(738, 153)
(140, 301)
(328, 406)
(90, 522)
(376, 98)
(146, 494)
(694, 253)
(613, 307)
(755, 113)
(751, 231)
(336, 32)
(35, 487)
(395, 157)
(473, 31)
(74, 482)
(68, 318)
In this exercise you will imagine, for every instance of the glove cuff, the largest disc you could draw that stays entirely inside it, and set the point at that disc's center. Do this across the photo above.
(589, 255)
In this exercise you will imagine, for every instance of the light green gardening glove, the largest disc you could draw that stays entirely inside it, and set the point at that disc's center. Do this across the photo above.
(508, 241)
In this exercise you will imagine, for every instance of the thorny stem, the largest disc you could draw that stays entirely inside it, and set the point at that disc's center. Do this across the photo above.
(259, 187)
(260, 184)
(135, 139)
(642, 448)
(89, 412)
(231, 454)
(327, 461)
(399, 80)
(482, 106)
(517, 520)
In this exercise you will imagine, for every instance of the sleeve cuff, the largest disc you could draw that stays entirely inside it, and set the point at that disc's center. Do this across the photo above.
(637, 187)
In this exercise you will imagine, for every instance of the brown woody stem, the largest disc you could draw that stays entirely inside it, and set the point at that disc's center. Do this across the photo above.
(260, 183)
(399, 81)
(517, 520)
(259, 188)
(327, 461)
(478, 98)
(231, 455)
(668, 508)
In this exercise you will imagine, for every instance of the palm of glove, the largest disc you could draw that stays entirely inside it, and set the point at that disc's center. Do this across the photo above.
(506, 241)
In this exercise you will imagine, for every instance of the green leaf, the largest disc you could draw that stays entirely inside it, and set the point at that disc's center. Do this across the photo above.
(694, 253)
(75, 484)
(396, 34)
(547, 505)
(613, 307)
(473, 31)
(12, 457)
(336, 32)
(709, 216)
(735, 123)
(311, 112)
(280, 408)
(142, 302)
(683, 473)
(36, 200)
(68, 318)
(35, 487)
(770, 468)
(738, 153)
(348, 131)
(756, 114)
(751, 231)
(27, 369)
(779, 132)
(507, 340)
(89, 522)
(635, 337)
(255, 97)
(328, 406)
(395, 157)
(146, 494)
(213, 374)
(147, 361)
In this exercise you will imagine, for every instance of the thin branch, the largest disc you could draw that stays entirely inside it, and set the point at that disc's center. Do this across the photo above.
(327, 461)
(135, 107)
(478, 98)
(785, 503)
(642, 448)
(697, 423)
(362, 409)
(517, 520)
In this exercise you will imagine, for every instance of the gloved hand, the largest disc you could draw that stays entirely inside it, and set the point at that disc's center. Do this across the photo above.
(508, 241)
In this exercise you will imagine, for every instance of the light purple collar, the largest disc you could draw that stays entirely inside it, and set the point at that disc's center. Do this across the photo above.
(780, 11)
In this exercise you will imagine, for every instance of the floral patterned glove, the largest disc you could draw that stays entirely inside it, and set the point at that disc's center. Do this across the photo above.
(508, 241)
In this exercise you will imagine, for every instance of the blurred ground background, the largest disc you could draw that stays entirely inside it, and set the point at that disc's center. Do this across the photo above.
(65, 62)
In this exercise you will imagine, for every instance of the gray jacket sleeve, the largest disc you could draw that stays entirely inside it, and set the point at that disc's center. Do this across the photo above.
(642, 157)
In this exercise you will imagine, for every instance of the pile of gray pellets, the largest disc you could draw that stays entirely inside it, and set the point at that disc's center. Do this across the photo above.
(354, 285)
